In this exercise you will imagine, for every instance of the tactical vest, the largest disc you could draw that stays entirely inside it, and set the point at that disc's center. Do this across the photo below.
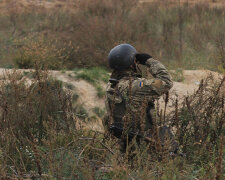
(118, 102)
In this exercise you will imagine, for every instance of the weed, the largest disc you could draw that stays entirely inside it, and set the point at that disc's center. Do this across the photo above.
(9, 67)
(25, 73)
(70, 75)
(178, 75)
(67, 151)
(69, 86)
(36, 50)
(63, 71)
(81, 112)
(92, 118)
(94, 76)
(100, 113)
(100, 91)
(75, 97)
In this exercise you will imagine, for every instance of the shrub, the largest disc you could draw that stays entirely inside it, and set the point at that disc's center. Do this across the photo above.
(38, 51)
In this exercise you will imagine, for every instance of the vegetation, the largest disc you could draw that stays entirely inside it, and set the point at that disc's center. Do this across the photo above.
(69, 86)
(99, 112)
(177, 75)
(81, 34)
(43, 133)
(95, 76)
(42, 136)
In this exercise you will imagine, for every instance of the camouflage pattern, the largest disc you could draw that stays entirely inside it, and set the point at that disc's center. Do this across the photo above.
(127, 101)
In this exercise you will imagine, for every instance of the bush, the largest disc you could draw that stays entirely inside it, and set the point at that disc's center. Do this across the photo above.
(37, 51)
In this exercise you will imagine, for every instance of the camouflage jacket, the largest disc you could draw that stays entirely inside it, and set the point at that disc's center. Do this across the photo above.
(127, 100)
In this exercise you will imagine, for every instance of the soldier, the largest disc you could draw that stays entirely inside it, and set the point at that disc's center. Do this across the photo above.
(136, 82)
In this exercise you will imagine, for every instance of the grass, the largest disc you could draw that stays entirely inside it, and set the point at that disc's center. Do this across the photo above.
(42, 136)
(81, 112)
(99, 112)
(69, 86)
(187, 37)
(177, 75)
(95, 76)
(41, 133)
(100, 91)
(75, 97)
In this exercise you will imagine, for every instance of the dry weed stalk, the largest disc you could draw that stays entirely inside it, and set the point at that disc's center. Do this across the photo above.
(199, 121)
(220, 158)
(29, 109)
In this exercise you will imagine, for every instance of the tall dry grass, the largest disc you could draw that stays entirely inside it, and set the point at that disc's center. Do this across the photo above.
(186, 36)
(40, 136)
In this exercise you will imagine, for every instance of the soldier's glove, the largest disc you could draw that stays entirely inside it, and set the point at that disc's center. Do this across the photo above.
(141, 58)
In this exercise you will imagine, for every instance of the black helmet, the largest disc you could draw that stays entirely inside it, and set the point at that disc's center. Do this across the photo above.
(121, 56)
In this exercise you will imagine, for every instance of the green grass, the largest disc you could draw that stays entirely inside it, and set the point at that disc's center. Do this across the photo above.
(81, 112)
(69, 86)
(75, 97)
(100, 91)
(177, 75)
(99, 112)
(95, 76)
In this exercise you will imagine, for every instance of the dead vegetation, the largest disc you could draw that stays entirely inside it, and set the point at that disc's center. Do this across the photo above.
(189, 37)
(41, 136)
(41, 122)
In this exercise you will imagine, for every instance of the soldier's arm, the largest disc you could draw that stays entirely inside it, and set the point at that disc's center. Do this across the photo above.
(152, 87)
(163, 81)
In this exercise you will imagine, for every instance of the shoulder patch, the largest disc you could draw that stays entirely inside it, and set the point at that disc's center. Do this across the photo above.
(141, 84)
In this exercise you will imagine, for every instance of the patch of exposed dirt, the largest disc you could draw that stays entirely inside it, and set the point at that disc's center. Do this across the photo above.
(87, 92)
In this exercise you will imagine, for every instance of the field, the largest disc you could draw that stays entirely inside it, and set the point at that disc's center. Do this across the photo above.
(74, 34)
(53, 74)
